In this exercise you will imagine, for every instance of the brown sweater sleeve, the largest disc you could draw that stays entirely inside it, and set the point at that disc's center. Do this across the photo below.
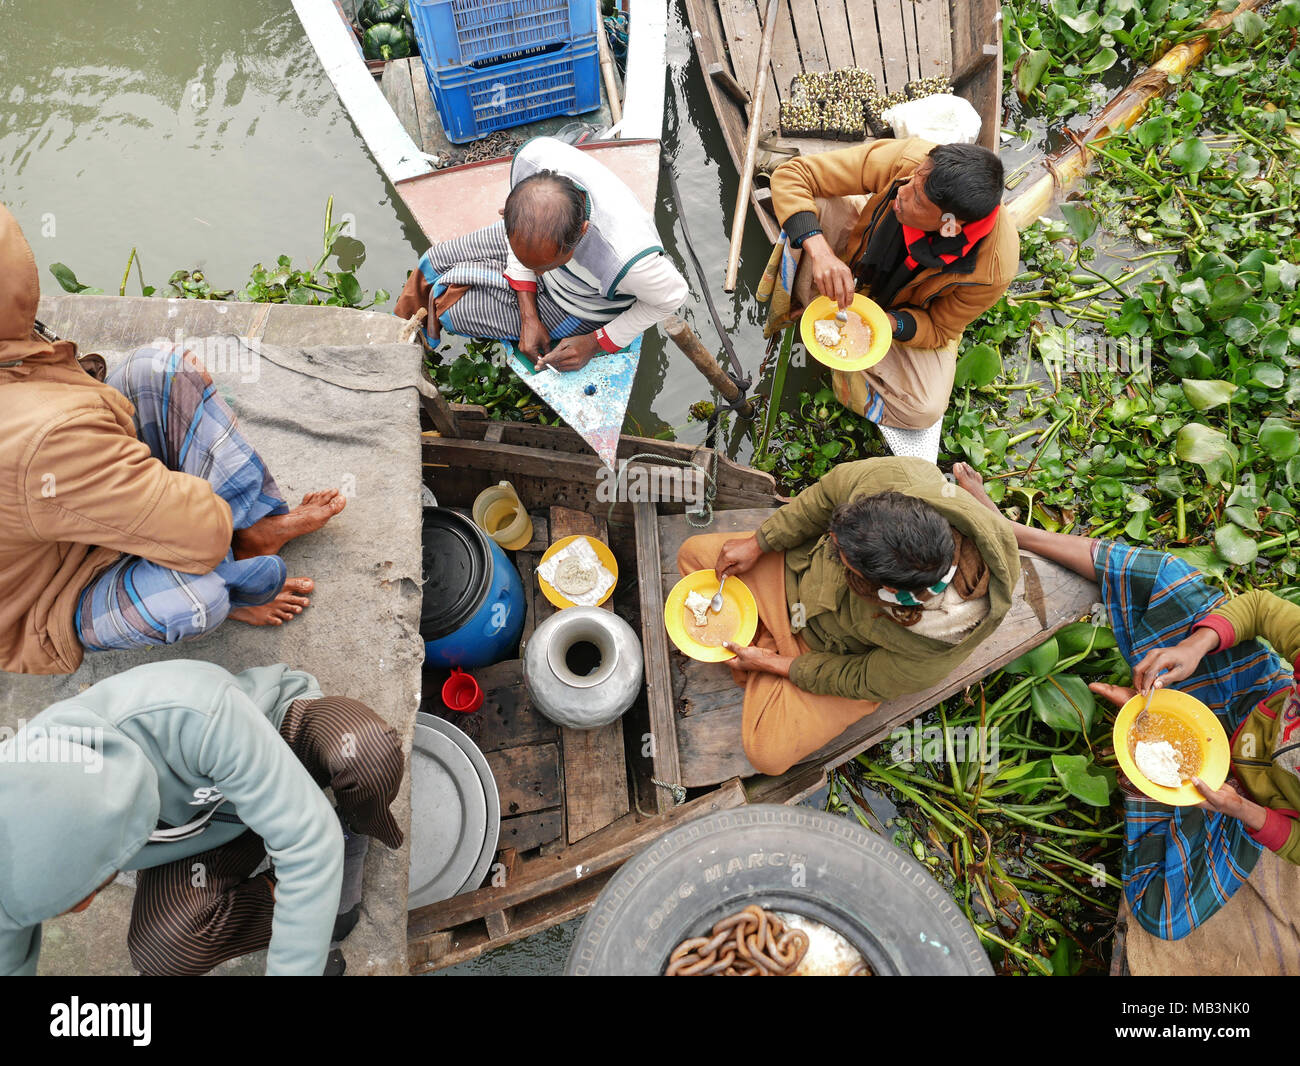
(90, 483)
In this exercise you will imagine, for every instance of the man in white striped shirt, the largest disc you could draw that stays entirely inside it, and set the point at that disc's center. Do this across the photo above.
(576, 260)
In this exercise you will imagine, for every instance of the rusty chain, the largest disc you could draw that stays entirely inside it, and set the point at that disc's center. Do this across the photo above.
(750, 943)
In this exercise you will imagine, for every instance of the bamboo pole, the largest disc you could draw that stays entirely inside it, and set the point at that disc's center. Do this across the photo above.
(751, 148)
(607, 73)
(1063, 169)
(693, 348)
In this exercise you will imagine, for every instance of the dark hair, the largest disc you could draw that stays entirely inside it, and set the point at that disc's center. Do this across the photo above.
(965, 179)
(894, 540)
(548, 206)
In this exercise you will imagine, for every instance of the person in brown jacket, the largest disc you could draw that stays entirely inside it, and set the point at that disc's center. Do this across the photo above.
(917, 227)
(132, 512)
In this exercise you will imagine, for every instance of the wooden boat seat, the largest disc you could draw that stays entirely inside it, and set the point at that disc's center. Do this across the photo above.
(709, 704)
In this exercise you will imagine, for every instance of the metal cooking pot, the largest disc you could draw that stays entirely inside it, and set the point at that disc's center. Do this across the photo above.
(582, 667)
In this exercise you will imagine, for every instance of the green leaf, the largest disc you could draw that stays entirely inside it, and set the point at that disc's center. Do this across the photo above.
(1192, 155)
(1250, 25)
(1227, 294)
(1063, 701)
(1240, 330)
(1203, 395)
(1208, 448)
(1279, 439)
(1028, 70)
(1084, 23)
(68, 280)
(1081, 219)
(1235, 546)
(1153, 131)
(1266, 374)
(1039, 661)
(1078, 636)
(349, 288)
(1204, 559)
(1077, 774)
(1030, 778)
(1170, 482)
(978, 367)
(1103, 60)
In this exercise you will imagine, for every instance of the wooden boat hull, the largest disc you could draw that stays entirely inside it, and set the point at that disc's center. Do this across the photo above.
(691, 710)
(896, 40)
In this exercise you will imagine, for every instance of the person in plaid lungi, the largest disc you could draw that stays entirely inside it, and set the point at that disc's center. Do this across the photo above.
(1183, 864)
(132, 511)
(189, 428)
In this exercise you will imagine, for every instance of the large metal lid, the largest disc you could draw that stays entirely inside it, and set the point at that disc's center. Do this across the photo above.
(490, 793)
(448, 817)
(457, 569)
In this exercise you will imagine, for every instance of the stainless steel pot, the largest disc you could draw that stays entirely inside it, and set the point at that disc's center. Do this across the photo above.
(582, 667)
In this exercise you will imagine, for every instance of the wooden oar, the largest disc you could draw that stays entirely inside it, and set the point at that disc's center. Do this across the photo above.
(751, 147)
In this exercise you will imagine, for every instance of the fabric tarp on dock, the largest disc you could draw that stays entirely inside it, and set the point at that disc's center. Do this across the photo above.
(321, 417)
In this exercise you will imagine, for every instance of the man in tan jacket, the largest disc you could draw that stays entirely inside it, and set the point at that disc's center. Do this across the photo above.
(132, 513)
(917, 227)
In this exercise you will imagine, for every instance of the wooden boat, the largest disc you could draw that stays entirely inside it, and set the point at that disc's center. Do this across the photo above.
(400, 125)
(576, 804)
(897, 41)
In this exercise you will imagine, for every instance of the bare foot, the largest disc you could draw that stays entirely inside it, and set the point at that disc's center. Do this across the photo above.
(289, 602)
(969, 480)
(270, 534)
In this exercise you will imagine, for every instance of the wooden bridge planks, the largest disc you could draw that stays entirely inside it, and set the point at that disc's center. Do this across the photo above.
(837, 41)
(867, 54)
(595, 767)
(935, 36)
(813, 48)
(893, 44)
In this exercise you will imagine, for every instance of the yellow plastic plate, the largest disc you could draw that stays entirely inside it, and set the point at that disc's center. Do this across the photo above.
(603, 553)
(1215, 752)
(705, 582)
(823, 309)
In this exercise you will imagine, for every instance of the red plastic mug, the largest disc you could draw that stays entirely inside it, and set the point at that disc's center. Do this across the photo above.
(461, 692)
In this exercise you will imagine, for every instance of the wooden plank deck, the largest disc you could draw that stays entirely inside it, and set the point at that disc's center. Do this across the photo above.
(709, 704)
(595, 767)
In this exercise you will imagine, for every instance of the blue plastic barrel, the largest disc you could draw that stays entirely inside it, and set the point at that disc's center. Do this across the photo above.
(473, 609)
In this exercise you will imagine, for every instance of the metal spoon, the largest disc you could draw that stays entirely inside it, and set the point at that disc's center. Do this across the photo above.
(715, 604)
(1143, 713)
(841, 316)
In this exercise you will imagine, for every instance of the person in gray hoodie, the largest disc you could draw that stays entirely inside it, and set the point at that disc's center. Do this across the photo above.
(192, 775)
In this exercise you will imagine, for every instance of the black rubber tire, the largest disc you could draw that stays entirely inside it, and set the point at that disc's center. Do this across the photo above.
(784, 858)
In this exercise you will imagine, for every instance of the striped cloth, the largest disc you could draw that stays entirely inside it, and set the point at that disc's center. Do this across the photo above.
(178, 413)
(1181, 864)
(490, 310)
(181, 929)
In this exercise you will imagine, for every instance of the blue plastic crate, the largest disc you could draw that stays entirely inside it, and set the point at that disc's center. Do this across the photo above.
(473, 102)
(462, 33)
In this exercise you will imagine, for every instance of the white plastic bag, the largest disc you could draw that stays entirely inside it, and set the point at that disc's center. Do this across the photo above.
(941, 118)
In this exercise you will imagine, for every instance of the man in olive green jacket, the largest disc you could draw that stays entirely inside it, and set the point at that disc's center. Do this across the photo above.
(835, 638)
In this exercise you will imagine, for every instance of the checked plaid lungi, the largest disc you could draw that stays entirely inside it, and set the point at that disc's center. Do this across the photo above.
(1181, 864)
(136, 603)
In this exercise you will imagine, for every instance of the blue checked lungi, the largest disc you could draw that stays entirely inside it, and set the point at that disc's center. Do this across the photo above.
(1181, 864)
(185, 423)
(490, 310)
